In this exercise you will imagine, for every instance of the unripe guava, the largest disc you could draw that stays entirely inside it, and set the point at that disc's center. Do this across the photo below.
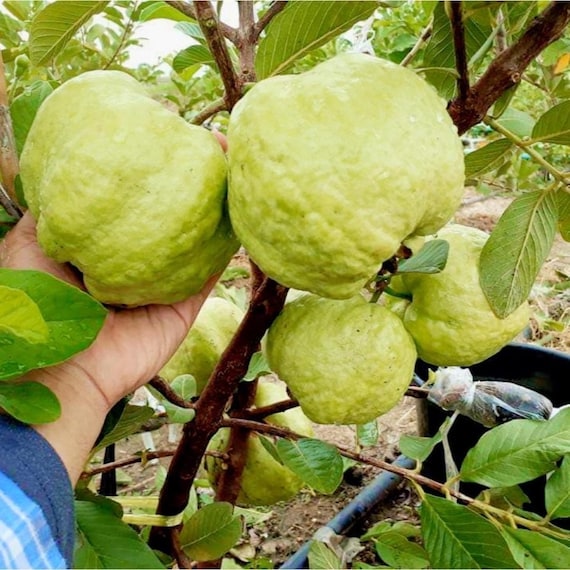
(126, 191)
(332, 169)
(449, 316)
(345, 361)
(205, 343)
(264, 481)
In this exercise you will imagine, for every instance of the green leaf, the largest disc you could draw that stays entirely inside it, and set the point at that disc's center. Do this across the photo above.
(104, 541)
(73, 318)
(431, 258)
(29, 402)
(557, 491)
(191, 56)
(487, 158)
(418, 447)
(322, 557)
(21, 317)
(398, 552)
(24, 108)
(317, 463)
(563, 198)
(257, 367)
(210, 532)
(518, 122)
(518, 451)
(56, 24)
(270, 447)
(185, 386)
(554, 125)
(157, 10)
(440, 53)
(516, 250)
(367, 434)
(503, 102)
(531, 549)
(191, 29)
(456, 537)
(130, 422)
(305, 26)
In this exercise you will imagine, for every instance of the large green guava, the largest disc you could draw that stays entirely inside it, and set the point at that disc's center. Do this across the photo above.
(449, 316)
(332, 169)
(345, 361)
(126, 191)
(264, 481)
(205, 343)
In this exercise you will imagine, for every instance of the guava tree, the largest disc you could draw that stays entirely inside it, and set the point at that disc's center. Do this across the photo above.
(499, 65)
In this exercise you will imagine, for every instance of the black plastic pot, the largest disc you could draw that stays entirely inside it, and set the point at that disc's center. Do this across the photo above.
(544, 370)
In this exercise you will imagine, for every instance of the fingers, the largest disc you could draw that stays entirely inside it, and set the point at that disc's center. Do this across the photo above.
(189, 308)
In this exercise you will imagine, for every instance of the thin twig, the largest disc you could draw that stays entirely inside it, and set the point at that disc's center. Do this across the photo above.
(263, 412)
(424, 37)
(11, 208)
(272, 11)
(121, 43)
(209, 111)
(165, 390)
(147, 456)
(456, 20)
(208, 21)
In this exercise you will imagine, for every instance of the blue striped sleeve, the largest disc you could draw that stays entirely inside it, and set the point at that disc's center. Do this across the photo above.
(36, 501)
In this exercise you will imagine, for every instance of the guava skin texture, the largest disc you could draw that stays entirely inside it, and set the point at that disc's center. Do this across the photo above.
(264, 481)
(332, 169)
(205, 343)
(449, 317)
(126, 191)
(346, 362)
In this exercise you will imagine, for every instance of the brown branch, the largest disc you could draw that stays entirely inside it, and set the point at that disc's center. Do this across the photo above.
(8, 205)
(165, 390)
(506, 69)
(8, 155)
(106, 467)
(263, 412)
(424, 37)
(456, 20)
(208, 21)
(246, 41)
(209, 111)
(272, 11)
(267, 301)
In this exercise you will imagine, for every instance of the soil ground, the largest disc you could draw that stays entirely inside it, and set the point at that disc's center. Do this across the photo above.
(291, 524)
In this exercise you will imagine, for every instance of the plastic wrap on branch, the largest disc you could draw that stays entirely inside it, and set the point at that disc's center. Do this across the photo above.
(489, 403)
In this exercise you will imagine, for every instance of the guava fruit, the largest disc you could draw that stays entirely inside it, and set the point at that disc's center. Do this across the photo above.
(332, 169)
(264, 481)
(345, 361)
(126, 191)
(206, 341)
(449, 316)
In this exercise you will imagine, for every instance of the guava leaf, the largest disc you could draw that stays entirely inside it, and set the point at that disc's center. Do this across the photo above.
(557, 491)
(21, 317)
(103, 540)
(440, 52)
(431, 258)
(456, 537)
(24, 108)
(563, 214)
(305, 26)
(29, 402)
(156, 10)
(73, 319)
(130, 422)
(398, 552)
(270, 447)
(317, 463)
(531, 549)
(503, 102)
(191, 29)
(210, 532)
(515, 251)
(56, 24)
(367, 434)
(518, 451)
(191, 56)
(487, 158)
(554, 125)
(418, 447)
(321, 556)
(518, 122)
(257, 367)
(185, 386)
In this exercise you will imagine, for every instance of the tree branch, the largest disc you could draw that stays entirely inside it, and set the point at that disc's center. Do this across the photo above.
(424, 37)
(246, 42)
(165, 390)
(456, 20)
(271, 12)
(267, 301)
(209, 111)
(263, 412)
(208, 21)
(506, 69)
